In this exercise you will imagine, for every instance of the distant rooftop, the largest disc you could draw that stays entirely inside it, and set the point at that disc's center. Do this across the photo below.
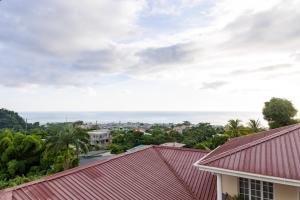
(173, 144)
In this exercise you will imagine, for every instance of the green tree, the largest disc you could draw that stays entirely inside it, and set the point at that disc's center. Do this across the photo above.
(200, 133)
(186, 123)
(234, 127)
(10, 119)
(116, 149)
(18, 153)
(65, 138)
(279, 112)
(212, 143)
(255, 125)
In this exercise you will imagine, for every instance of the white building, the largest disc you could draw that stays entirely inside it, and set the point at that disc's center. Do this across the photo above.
(101, 136)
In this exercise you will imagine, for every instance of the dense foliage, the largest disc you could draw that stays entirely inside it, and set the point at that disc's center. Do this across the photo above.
(19, 153)
(12, 120)
(67, 139)
(27, 156)
(200, 133)
(203, 132)
(200, 136)
(279, 112)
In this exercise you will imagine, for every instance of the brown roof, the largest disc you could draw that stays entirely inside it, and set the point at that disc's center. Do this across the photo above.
(273, 153)
(151, 173)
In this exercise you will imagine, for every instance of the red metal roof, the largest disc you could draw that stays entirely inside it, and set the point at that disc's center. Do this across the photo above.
(151, 173)
(272, 153)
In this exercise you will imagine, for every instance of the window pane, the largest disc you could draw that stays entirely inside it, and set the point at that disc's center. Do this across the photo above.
(259, 190)
(244, 188)
(268, 191)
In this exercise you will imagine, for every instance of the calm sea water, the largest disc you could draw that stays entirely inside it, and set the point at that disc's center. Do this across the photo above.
(218, 118)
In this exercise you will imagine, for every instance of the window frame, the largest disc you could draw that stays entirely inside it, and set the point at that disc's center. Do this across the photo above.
(261, 188)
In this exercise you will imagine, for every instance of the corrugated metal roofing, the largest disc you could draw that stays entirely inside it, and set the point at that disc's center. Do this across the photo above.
(272, 153)
(201, 184)
(151, 173)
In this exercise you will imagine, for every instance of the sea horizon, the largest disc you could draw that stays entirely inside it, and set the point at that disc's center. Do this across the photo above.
(213, 117)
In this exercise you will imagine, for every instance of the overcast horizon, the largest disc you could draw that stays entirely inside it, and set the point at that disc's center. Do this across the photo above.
(148, 55)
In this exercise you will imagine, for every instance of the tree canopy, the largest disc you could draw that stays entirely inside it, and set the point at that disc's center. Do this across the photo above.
(26, 156)
(10, 119)
(19, 153)
(279, 112)
(64, 138)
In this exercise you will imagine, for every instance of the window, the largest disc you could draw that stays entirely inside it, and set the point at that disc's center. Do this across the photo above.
(244, 188)
(255, 190)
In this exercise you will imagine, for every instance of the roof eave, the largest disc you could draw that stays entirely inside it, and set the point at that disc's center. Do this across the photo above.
(272, 179)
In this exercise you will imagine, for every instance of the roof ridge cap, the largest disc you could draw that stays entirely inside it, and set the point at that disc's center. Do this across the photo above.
(175, 174)
(250, 144)
(182, 149)
(71, 171)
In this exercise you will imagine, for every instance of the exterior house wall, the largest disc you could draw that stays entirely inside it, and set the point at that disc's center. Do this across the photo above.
(286, 192)
(230, 185)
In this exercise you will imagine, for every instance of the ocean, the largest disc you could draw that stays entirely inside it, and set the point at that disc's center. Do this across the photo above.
(216, 118)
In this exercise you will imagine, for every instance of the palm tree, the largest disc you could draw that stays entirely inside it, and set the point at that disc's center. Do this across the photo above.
(63, 138)
(254, 125)
(234, 127)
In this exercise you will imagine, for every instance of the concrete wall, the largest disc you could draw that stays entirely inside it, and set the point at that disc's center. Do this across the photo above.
(230, 185)
(285, 192)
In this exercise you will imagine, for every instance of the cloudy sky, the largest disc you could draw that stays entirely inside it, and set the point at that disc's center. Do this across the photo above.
(192, 55)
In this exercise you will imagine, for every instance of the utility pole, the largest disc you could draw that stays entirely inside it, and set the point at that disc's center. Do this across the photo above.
(25, 120)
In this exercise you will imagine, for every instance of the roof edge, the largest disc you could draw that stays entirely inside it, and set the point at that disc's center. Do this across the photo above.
(182, 149)
(72, 170)
(273, 179)
(86, 166)
(250, 144)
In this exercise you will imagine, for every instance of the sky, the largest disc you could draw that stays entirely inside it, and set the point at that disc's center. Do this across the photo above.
(148, 55)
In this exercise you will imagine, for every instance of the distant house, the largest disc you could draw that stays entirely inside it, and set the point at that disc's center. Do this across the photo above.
(101, 136)
(180, 128)
(139, 129)
(263, 166)
(173, 144)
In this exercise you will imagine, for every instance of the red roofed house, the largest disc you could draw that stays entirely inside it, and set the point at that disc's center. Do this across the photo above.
(155, 172)
(262, 166)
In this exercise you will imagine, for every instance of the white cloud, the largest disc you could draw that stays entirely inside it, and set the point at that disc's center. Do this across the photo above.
(241, 45)
(169, 7)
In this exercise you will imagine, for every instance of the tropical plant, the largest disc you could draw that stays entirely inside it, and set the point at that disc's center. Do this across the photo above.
(212, 143)
(64, 138)
(235, 197)
(18, 153)
(255, 125)
(234, 127)
(200, 133)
